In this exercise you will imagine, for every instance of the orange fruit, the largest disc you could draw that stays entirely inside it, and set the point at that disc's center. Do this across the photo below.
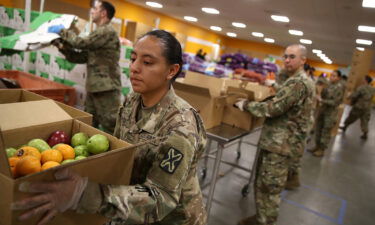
(27, 150)
(13, 162)
(51, 155)
(28, 165)
(49, 164)
(66, 150)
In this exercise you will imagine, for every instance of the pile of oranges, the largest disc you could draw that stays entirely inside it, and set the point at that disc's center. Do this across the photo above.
(27, 160)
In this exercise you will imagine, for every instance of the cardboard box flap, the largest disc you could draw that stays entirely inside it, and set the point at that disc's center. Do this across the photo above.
(213, 84)
(26, 114)
(234, 93)
(192, 89)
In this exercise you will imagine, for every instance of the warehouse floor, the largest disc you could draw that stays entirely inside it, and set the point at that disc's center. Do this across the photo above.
(336, 189)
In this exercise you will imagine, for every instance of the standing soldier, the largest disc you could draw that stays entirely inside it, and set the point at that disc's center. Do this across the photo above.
(101, 51)
(283, 137)
(164, 187)
(329, 101)
(361, 102)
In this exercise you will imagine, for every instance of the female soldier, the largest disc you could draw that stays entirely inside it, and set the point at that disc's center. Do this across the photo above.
(164, 186)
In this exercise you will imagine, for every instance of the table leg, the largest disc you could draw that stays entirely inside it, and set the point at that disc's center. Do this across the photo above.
(207, 152)
(215, 171)
(239, 149)
(246, 188)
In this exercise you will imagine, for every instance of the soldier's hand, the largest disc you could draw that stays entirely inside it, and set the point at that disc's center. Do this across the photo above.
(240, 103)
(52, 196)
(318, 98)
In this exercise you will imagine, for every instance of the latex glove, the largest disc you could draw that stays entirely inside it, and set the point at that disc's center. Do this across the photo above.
(240, 103)
(318, 98)
(52, 197)
(269, 83)
(55, 28)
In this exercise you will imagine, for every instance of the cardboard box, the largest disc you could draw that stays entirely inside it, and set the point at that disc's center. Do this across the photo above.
(23, 121)
(215, 92)
(335, 129)
(134, 30)
(19, 95)
(208, 105)
(232, 115)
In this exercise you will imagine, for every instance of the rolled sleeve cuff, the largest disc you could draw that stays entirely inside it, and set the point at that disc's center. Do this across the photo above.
(91, 199)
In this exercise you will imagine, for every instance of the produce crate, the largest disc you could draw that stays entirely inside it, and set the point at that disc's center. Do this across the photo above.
(42, 86)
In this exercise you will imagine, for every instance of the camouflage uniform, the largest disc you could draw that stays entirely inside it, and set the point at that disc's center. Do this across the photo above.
(361, 101)
(282, 141)
(332, 97)
(101, 52)
(164, 185)
(295, 166)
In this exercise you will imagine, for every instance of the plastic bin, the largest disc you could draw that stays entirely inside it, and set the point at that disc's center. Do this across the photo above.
(42, 86)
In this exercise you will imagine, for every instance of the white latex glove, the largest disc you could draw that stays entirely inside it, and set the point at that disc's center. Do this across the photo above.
(318, 98)
(240, 103)
(269, 83)
(52, 196)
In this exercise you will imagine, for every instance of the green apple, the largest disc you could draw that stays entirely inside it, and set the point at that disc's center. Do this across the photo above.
(97, 144)
(10, 152)
(81, 150)
(80, 157)
(79, 139)
(39, 144)
(67, 161)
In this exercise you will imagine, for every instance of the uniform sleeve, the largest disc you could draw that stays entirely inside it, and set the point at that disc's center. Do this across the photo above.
(335, 98)
(286, 97)
(159, 195)
(354, 97)
(95, 40)
(73, 55)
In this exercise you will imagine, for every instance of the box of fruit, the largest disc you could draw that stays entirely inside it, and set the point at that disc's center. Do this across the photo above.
(20, 95)
(37, 138)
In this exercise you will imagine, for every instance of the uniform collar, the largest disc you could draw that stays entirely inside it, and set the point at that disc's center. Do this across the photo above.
(159, 111)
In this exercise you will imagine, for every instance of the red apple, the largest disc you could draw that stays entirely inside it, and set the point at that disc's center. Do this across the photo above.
(58, 137)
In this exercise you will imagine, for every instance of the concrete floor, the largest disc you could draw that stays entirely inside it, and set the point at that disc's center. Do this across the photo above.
(336, 189)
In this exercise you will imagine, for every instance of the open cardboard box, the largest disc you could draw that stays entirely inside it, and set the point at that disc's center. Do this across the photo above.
(209, 94)
(232, 115)
(20, 95)
(209, 106)
(23, 121)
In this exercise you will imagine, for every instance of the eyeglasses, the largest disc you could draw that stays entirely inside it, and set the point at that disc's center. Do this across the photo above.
(291, 56)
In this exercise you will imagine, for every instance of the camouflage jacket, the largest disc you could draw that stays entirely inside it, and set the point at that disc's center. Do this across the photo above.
(164, 185)
(362, 97)
(101, 51)
(288, 116)
(332, 96)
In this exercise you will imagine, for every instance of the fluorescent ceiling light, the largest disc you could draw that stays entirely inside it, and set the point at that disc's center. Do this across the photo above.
(361, 49)
(230, 34)
(296, 32)
(279, 18)
(210, 10)
(216, 28)
(366, 29)
(154, 4)
(239, 25)
(328, 62)
(305, 41)
(257, 34)
(269, 40)
(368, 3)
(321, 54)
(363, 42)
(190, 18)
(316, 51)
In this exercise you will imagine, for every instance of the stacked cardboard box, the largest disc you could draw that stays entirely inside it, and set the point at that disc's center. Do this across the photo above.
(23, 121)
(214, 97)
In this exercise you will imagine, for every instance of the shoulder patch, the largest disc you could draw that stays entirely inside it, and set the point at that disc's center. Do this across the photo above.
(171, 160)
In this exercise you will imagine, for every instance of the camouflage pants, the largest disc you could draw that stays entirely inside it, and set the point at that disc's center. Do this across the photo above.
(363, 115)
(271, 175)
(323, 127)
(103, 106)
